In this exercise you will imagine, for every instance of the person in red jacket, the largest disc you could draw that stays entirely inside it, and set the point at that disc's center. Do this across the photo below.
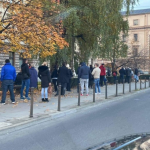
(102, 75)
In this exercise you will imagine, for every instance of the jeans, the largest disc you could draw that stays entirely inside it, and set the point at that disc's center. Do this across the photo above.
(8, 85)
(63, 88)
(84, 82)
(97, 86)
(115, 78)
(136, 77)
(55, 84)
(44, 91)
(25, 83)
(102, 80)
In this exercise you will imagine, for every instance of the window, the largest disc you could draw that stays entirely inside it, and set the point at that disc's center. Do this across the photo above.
(135, 51)
(135, 22)
(124, 38)
(20, 60)
(12, 58)
(135, 37)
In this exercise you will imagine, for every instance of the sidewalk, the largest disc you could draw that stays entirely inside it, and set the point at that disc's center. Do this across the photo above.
(10, 113)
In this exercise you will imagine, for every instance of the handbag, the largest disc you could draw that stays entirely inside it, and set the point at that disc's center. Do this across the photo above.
(50, 90)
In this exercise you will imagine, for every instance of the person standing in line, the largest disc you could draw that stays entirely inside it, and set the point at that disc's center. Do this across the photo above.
(44, 75)
(54, 77)
(128, 75)
(136, 74)
(114, 74)
(122, 72)
(102, 75)
(8, 77)
(25, 79)
(96, 72)
(84, 73)
(91, 79)
(70, 76)
(33, 77)
(63, 78)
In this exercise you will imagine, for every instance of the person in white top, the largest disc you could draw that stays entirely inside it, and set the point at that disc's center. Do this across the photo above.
(96, 73)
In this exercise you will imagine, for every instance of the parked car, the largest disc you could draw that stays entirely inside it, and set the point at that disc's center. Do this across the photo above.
(141, 72)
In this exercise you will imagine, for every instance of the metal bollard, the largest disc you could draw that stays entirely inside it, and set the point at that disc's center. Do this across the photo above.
(106, 90)
(145, 83)
(135, 85)
(59, 97)
(130, 86)
(116, 87)
(140, 84)
(79, 94)
(93, 92)
(32, 100)
(123, 87)
(149, 81)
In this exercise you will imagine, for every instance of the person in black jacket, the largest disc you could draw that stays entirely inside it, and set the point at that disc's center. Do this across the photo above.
(18, 80)
(128, 75)
(44, 75)
(25, 79)
(122, 73)
(70, 76)
(54, 77)
(63, 78)
(91, 78)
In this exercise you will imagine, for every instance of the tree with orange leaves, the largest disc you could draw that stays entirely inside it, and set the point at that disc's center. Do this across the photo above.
(23, 29)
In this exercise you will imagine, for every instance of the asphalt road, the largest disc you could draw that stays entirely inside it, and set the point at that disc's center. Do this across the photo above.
(85, 129)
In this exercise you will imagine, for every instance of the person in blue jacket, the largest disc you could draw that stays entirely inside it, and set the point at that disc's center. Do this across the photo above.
(8, 77)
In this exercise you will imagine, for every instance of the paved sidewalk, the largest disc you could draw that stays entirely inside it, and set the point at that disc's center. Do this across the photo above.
(13, 113)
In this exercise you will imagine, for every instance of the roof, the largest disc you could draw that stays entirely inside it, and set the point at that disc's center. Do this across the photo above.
(137, 12)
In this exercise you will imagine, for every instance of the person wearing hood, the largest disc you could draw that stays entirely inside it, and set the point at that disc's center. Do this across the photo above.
(8, 76)
(84, 73)
(102, 75)
(33, 77)
(63, 78)
(25, 79)
(44, 75)
(54, 77)
(70, 76)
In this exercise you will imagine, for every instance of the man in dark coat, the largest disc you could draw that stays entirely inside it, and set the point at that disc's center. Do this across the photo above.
(25, 79)
(44, 75)
(54, 77)
(70, 76)
(128, 75)
(122, 73)
(63, 78)
(33, 77)
(84, 74)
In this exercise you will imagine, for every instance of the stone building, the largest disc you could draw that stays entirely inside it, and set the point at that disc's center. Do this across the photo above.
(138, 39)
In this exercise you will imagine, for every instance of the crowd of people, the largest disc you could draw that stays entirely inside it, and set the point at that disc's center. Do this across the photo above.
(28, 77)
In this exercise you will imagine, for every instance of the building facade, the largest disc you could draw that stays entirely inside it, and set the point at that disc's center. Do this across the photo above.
(138, 39)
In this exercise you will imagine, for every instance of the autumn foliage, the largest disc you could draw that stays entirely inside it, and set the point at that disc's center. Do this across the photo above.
(23, 29)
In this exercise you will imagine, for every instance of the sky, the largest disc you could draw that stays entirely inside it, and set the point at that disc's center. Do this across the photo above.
(143, 4)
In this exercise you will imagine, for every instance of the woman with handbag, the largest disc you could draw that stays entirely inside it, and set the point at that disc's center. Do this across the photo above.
(44, 75)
